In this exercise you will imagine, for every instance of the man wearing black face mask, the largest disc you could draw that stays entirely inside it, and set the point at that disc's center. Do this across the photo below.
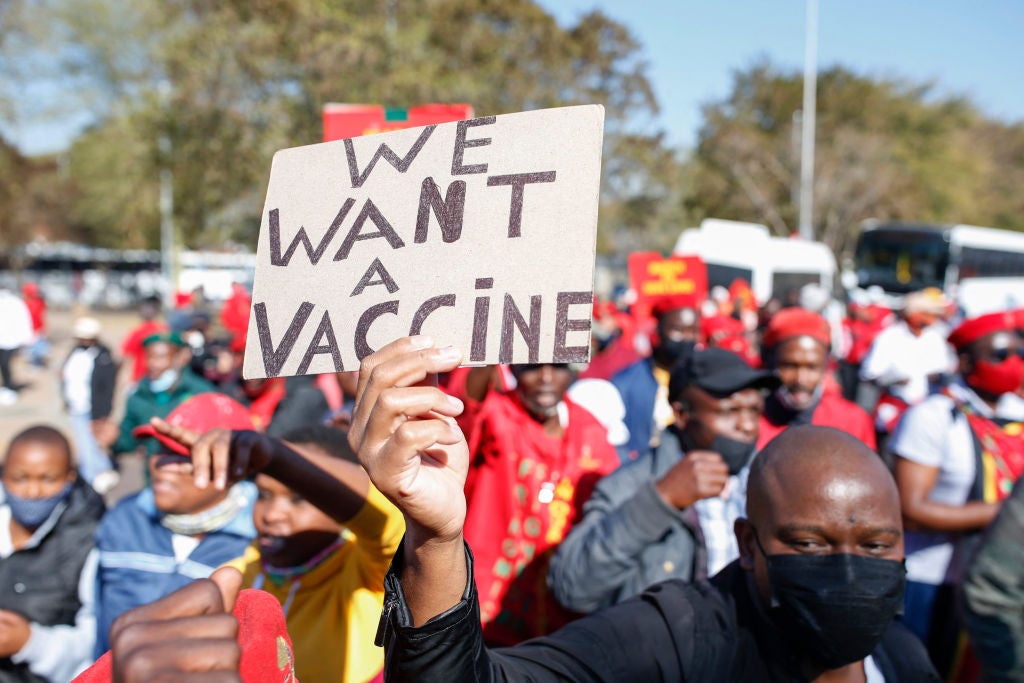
(669, 515)
(644, 384)
(824, 543)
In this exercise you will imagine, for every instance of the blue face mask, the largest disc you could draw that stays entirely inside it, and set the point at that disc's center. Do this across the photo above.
(32, 512)
(165, 381)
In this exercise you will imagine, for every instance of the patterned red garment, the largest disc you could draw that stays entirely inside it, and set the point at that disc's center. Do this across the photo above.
(525, 491)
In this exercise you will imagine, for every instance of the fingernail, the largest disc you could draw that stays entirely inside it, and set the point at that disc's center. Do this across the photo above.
(421, 341)
(221, 483)
(456, 403)
(449, 353)
(201, 482)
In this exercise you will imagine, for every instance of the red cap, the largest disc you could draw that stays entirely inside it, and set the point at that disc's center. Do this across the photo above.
(796, 322)
(974, 329)
(720, 326)
(200, 413)
(1018, 317)
(666, 304)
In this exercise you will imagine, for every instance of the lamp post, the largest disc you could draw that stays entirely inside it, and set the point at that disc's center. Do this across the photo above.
(808, 121)
(167, 246)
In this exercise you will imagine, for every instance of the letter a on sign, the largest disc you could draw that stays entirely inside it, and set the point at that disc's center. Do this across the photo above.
(373, 238)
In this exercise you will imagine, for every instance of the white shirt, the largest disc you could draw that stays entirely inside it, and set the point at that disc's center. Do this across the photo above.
(77, 376)
(898, 355)
(717, 516)
(936, 434)
(16, 329)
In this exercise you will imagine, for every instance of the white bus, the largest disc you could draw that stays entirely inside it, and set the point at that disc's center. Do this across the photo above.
(982, 269)
(774, 266)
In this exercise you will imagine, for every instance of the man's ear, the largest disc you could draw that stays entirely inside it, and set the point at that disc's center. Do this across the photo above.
(746, 542)
(682, 415)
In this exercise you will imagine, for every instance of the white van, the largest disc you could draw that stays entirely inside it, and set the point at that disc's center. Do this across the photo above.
(774, 266)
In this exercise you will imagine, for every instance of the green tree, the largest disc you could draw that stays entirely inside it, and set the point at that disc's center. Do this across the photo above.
(227, 83)
(884, 149)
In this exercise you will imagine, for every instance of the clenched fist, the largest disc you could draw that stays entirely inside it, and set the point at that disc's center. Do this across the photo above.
(699, 475)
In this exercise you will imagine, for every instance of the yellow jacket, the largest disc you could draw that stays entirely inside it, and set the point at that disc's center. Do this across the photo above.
(332, 612)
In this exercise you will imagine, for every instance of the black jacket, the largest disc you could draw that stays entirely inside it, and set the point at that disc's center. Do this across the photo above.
(41, 582)
(103, 380)
(706, 632)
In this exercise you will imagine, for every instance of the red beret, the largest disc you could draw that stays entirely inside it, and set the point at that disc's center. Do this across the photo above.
(720, 326)
(672, 302)
(973, 329)
(796, 322)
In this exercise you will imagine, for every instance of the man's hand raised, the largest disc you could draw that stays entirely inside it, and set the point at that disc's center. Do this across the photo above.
(404, 430)
(699, 475)
(405, 433)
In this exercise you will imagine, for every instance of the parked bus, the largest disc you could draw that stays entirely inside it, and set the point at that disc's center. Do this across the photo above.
(774, 266)
(982, 269)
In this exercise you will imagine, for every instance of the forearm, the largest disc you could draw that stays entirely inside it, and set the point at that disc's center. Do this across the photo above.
(926, 515)
(434, 575)
(335, 486)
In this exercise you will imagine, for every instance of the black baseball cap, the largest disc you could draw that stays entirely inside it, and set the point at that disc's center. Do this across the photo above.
(719, 372)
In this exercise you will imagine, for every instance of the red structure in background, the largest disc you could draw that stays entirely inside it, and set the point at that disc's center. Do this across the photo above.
(352, 120)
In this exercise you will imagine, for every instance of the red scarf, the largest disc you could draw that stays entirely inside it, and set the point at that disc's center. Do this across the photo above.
(525, 491)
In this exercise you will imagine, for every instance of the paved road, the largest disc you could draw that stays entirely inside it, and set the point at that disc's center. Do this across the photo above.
(39, 400)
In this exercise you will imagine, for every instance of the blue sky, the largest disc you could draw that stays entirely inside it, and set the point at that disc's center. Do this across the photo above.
(693, 47)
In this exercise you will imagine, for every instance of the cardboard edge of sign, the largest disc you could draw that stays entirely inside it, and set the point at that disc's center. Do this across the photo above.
(597, 120)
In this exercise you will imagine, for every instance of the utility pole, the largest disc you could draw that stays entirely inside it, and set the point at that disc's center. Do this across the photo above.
(808, 122)
(168, 249)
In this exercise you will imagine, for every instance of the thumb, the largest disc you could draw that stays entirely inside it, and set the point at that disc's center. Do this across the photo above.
(229, 581)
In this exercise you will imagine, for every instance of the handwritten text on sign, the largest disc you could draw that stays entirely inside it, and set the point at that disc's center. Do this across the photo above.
(480, 233)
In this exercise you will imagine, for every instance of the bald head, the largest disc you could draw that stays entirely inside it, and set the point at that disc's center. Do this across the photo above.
(817, 491)
(816, 462)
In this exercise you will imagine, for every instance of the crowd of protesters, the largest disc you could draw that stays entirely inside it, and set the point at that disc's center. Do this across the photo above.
(725, 486)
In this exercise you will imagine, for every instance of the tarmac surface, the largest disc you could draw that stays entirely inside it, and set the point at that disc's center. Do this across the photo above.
(39, 392)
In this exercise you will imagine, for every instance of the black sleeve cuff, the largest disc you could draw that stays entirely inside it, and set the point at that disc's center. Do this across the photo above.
(396, 617)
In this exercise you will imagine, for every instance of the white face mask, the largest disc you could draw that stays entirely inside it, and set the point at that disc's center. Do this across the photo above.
(165, 381)
(195, 339)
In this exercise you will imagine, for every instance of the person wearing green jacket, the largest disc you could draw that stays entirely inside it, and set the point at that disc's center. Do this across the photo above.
(167, 383)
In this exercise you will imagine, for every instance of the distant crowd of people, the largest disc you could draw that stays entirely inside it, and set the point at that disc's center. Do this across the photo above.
(729, 490)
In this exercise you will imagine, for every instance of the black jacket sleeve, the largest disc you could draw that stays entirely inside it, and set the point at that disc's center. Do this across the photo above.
(104, 377)
(647, 638)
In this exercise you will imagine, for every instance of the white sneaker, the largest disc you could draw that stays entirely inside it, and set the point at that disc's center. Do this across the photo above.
(106, 481)
(8, 397)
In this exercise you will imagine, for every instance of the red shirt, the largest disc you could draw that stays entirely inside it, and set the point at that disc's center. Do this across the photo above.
(524, 492)
(37, 311)
(832, 411)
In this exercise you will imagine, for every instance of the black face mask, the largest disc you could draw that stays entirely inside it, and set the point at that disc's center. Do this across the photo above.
(670, 351)
(834, 608)
(736, 454)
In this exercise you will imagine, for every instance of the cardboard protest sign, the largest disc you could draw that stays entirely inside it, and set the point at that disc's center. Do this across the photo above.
(480, 233)
(681, 281)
